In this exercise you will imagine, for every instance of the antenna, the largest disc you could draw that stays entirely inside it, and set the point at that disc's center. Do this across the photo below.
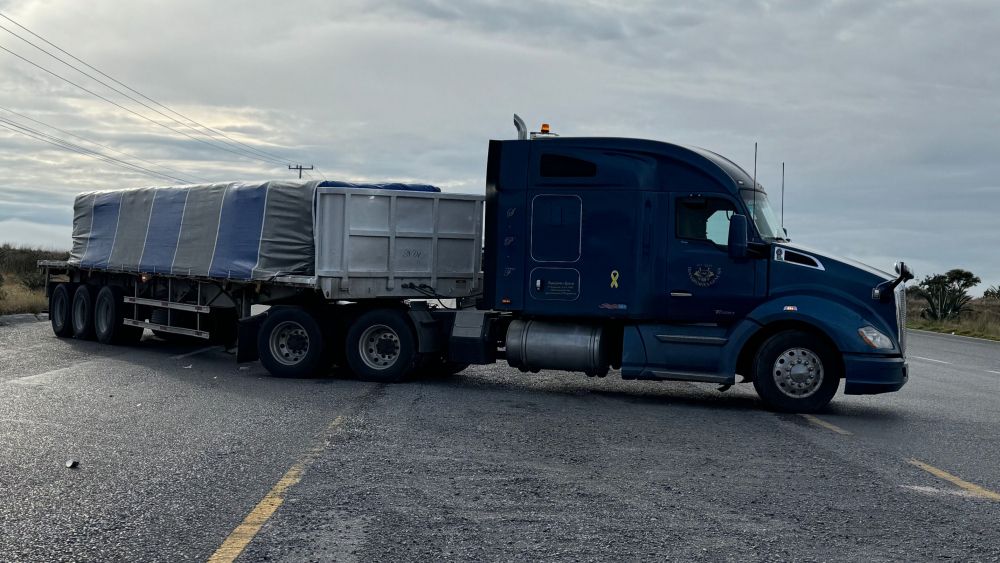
(754, 210)
(782, 195)
(522, 129)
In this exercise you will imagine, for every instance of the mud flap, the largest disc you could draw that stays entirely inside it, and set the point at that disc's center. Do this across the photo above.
(247, 329)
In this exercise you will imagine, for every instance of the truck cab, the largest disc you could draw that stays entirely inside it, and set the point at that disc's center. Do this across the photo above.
(669, 263)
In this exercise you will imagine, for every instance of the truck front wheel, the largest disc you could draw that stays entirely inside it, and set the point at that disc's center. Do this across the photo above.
(381, 346)
(290, 344)
(795, 371)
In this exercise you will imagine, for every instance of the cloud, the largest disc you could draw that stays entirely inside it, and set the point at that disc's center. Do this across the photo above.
(885, 113)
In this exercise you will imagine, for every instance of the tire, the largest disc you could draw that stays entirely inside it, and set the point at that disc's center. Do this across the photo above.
(109, 318)
(795, 371)
(380, 346)
(61, 310)
(291, 344)
(83, 312)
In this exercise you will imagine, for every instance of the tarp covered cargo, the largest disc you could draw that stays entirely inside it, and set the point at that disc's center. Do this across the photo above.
(232, 230)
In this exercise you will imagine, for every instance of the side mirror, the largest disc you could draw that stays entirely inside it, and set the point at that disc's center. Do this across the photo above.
(738, 236)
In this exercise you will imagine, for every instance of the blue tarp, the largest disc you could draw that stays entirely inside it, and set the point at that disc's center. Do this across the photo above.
(235, 230)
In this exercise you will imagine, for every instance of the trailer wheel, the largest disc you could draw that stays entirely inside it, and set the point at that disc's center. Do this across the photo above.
(795, 371)
(290, 343)
(61, 310)
(380, 346)
(83, 312)
(109, 318)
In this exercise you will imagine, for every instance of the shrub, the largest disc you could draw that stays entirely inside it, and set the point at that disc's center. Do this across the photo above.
(34, 281)
(947, 295)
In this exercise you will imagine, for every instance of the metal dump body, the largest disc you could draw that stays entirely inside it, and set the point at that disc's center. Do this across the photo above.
(381, 243)
(351, 241)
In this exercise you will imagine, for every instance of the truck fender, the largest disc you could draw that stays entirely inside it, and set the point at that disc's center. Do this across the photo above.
(246, 339)
(839, 323)
(425, 326)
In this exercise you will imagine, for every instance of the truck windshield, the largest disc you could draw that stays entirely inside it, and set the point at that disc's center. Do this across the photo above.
(763, 215)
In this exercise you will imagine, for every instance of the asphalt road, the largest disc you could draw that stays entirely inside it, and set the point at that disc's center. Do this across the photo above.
(177, 447)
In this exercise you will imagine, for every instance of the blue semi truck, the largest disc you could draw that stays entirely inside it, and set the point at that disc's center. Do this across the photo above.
(662, 261)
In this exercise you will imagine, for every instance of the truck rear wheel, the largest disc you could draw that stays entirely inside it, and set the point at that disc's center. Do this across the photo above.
(291, 344)
(381, 346)
(795, 371)
(83, 312)
(109, 318)
(61, 310)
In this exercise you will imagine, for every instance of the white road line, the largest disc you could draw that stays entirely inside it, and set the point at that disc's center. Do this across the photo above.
(991, 371)
(930, 360)
(195, 353)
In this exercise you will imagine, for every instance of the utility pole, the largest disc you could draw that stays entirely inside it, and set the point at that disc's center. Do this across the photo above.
(300, 168)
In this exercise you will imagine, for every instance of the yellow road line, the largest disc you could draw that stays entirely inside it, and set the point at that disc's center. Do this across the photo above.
(973, 489)
(824, 424)
(241, 537)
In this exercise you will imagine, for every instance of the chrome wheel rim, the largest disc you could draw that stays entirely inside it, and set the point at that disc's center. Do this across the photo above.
(798, 372)
(289, 343)
(379, 347)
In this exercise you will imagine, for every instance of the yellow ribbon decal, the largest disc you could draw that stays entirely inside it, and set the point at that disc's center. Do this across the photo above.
(614, 279)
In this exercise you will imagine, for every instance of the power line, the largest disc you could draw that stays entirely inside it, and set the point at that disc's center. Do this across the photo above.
(320, 172)
(116, 104)
(282, 160)
(163, 166)
(220, 144)
(73, 147)
(40, 136)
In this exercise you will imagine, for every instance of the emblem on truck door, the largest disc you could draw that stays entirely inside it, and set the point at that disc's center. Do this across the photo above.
(704, 275)
(614, 279)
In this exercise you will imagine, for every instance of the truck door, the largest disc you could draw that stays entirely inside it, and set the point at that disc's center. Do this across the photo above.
(705, 285)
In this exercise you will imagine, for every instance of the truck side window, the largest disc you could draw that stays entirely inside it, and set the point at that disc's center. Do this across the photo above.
(704, 219)
(560, 166)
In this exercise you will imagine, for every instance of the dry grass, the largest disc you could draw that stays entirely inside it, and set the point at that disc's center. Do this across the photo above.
(983, 321)
(22, 286)
(16, 298)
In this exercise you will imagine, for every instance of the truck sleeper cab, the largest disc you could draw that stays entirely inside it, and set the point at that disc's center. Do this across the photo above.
(668, 262)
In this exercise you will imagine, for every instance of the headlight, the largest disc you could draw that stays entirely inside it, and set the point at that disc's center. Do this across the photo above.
(875, 339)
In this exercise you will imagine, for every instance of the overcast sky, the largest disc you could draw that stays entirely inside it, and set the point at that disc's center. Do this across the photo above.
(886, 113)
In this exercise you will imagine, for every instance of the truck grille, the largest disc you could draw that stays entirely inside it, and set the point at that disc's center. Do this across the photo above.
(901, 316)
